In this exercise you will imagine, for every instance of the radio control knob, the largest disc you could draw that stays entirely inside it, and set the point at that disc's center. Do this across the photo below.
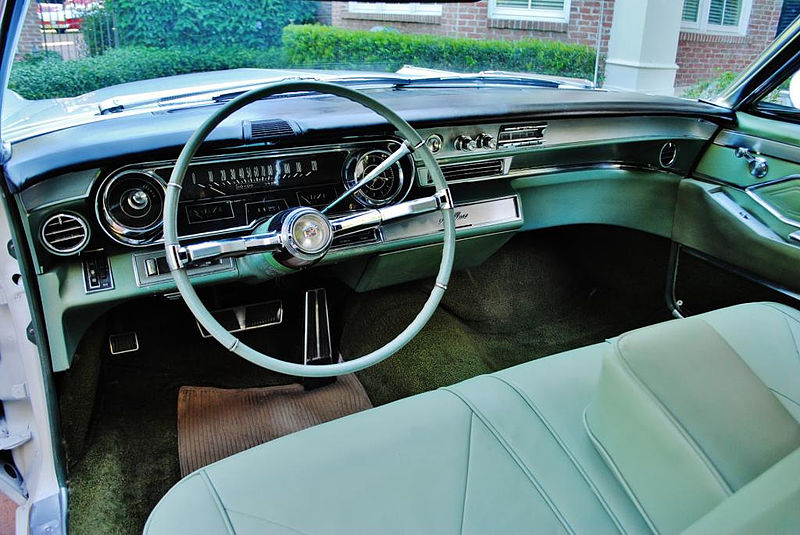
(485, 141)
(465, 143)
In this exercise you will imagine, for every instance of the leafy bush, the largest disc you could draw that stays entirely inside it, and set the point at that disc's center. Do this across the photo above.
(51, 78)
(710, 88)
(314, 45)
(166, 23)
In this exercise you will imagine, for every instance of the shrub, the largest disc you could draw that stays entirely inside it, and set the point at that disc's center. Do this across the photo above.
(710, 88)
(314, 45)
(51, 78)
(166, 23)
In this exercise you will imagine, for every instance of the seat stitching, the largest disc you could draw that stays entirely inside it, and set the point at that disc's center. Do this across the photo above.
(257, 517)
(466, 474)
(784, 396)
(218, 502)
(794, 338)
(617, 473)
(690, 441)
(516, 458)
(573, 459)
(788, 318)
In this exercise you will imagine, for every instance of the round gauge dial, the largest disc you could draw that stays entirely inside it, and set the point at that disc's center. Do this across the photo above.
(382, 189)
(131, 205)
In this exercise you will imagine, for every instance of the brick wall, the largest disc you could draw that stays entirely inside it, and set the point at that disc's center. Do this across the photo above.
(472, 21)
(702, 56)
(30, 38)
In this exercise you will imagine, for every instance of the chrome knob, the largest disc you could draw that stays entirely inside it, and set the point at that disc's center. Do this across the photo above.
(434, 143)
(138, 200)
(465, 143)
(485, 141)
(756, 164)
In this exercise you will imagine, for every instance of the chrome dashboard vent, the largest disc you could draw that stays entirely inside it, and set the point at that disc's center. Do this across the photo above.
(668, 154)
(521, 135)
(267, 130)
(472, 170)
(64, 233)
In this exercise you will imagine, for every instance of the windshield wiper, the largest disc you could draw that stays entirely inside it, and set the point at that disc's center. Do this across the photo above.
(349, 80)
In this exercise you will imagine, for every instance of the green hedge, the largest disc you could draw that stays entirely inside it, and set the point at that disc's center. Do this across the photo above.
(314, 45)
(46, 76)
(165, 23)
(53, 78)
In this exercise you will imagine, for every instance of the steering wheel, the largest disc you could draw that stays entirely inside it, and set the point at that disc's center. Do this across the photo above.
(300, 237)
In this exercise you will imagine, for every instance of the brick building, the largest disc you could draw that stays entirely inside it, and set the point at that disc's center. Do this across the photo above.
(716, 35)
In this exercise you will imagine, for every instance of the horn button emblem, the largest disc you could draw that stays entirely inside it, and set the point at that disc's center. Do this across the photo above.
(309, 233)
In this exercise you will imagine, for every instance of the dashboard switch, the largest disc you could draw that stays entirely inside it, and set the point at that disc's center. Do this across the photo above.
(150, 267)
(97, 272)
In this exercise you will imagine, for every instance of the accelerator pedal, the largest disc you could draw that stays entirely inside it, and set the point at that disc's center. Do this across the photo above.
(317, 346)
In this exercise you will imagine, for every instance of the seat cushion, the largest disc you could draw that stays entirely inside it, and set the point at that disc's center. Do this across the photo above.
(768, 504)
(684, 420)
(500, 454)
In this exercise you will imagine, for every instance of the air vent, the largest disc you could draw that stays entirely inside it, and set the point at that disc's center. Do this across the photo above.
(268, 130)
(521, 135)
(472, 170)
(65, 234)
(668, 154)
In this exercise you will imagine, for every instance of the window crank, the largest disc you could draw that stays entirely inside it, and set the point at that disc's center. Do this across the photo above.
(758, 165)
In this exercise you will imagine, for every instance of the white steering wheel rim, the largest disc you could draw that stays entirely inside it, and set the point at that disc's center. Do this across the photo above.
(196, 306)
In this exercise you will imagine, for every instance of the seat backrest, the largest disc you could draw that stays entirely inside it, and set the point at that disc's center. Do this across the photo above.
(684, 422)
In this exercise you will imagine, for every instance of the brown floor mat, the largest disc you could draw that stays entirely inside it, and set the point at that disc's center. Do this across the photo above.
(214, 423)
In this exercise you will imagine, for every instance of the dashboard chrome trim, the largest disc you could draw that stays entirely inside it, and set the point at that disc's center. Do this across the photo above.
(119, 233)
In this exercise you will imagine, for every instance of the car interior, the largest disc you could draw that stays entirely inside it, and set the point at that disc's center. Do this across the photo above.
(372, 307)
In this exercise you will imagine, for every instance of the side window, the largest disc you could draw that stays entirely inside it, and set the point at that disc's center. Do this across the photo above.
(785, 97)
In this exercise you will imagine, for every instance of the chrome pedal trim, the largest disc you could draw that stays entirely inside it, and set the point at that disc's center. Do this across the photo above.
(247, 317)
(121, 343)
(317, 346)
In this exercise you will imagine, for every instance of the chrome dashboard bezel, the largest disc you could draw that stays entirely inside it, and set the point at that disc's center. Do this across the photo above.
(120, 233)
(362, 197)
(151, 167)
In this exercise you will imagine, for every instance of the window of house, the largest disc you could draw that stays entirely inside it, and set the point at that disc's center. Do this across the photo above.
(395, 9)
(716, 16)
(544, 10)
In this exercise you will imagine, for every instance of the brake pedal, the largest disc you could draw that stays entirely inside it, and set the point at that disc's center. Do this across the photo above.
(123, 343)
(247, 317)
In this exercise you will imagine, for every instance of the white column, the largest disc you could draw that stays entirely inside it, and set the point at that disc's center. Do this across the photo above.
(643, 45)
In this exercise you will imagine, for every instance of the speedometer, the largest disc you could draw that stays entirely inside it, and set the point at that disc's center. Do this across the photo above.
(382, 189)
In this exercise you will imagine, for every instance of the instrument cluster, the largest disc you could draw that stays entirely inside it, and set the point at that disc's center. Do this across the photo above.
(238, 192)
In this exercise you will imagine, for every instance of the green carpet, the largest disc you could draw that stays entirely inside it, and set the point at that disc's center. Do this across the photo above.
(131, 460)
(543, 293)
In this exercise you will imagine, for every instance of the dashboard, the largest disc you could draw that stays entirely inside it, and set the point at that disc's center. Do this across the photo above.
(91, 198)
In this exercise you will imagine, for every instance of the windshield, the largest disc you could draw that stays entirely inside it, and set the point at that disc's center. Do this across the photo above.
(120, 54)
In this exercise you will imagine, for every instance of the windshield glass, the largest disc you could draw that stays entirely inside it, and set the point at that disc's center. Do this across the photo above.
(70, 48)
